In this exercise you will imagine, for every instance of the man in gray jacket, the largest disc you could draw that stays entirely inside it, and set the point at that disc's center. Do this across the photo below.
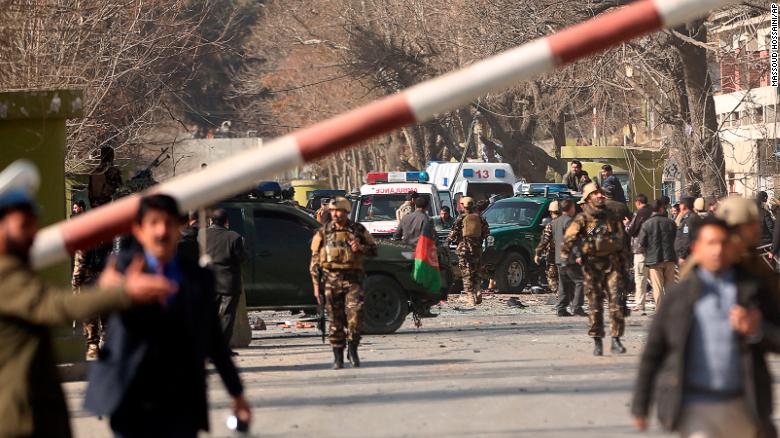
(570, 279)
(656, 241)
(412, 224)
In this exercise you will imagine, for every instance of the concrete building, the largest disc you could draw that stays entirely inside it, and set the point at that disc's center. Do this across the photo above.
(746, 104)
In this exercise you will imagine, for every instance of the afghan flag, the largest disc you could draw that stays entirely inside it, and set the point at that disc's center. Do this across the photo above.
(426, 260)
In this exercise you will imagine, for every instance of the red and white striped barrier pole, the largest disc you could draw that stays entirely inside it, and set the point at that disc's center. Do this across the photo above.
(416, 104)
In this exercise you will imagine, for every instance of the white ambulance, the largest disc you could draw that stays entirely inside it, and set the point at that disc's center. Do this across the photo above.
(477, 180)
(386, 192)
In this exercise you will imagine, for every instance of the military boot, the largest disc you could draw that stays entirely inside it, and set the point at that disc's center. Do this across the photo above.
(92, 352)
(338, 358)
(352, 354)
(617, 347)
(598, 349)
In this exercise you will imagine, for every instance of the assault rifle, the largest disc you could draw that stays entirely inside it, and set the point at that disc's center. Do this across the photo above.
(321, 325)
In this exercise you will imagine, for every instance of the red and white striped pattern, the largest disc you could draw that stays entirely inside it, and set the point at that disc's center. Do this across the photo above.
(416, 104)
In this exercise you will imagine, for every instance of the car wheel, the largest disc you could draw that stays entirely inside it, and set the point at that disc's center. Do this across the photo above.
(385, 307)
(512, 273)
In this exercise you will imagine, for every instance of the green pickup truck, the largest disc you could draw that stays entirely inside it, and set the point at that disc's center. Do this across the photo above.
(276, 274)
(516, 226)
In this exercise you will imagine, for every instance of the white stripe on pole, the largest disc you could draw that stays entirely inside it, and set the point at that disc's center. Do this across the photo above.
(48, 248)
(496, 73)
(233, 175)
(676, 12)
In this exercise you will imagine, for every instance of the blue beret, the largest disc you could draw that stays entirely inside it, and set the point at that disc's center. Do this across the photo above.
(16, 198)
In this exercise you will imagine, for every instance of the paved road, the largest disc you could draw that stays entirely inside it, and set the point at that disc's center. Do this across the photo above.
(494, 372)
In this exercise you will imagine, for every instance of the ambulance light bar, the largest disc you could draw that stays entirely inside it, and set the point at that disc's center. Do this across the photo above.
(539, 188)
(391, 177)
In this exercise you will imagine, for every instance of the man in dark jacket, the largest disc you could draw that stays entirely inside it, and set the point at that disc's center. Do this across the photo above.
(151, 376)
(685, 226)
(226, 252)
(707, 345)
(656, 241)
(570, 278)
(765, 219)
(188, 247)
(643, 212)
(411, 226)
(611, 184)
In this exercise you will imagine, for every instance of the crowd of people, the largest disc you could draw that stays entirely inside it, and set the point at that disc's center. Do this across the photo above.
(172, 303)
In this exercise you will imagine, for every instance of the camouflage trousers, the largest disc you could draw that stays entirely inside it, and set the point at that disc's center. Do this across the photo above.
(603, 278)
(552, 277)
(469, 263)
(94, 329)
(344, 303)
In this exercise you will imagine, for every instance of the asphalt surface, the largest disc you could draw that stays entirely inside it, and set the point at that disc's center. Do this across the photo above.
(496, 371)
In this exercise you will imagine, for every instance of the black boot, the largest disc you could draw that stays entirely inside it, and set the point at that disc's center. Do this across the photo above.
(598, 349)
(617, 347)
(338, 358)
(352, 354)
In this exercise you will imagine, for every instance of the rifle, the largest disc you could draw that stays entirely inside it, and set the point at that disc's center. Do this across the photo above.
(321, 306)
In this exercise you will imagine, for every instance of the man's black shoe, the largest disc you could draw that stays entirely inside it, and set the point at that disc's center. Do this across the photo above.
(598, 349)
(617, 347)
(352, 354)
(580, 312)
(338, 358)
(564, 312)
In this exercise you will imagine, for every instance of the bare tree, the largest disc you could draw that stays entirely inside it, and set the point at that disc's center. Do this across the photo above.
(134, 59)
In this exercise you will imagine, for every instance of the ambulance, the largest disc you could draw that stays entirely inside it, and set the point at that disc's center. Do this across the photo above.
(477, 180)
(386, 192)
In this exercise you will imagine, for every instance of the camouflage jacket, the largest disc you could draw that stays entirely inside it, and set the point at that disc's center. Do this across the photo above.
(103, 184)
(87, 265)
(546, 246)
(364, 238)
(456, 234)
(594, 233)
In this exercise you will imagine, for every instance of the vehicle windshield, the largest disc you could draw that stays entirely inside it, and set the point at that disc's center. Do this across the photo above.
(480, 191)
(519, 213)
(375, 208)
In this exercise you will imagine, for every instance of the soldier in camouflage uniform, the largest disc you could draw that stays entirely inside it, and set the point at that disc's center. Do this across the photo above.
(596, 238)
(546, 249)
(338, 250)
(105, 180)
(468, 232)
(87, 266)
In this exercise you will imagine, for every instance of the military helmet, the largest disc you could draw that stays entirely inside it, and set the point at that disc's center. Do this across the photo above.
(553, 207)
(699, 204)
(587, 190)
(340, 203)
(467, 202)
(736, 210)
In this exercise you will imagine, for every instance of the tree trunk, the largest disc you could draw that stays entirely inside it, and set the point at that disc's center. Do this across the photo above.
(707, 164)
